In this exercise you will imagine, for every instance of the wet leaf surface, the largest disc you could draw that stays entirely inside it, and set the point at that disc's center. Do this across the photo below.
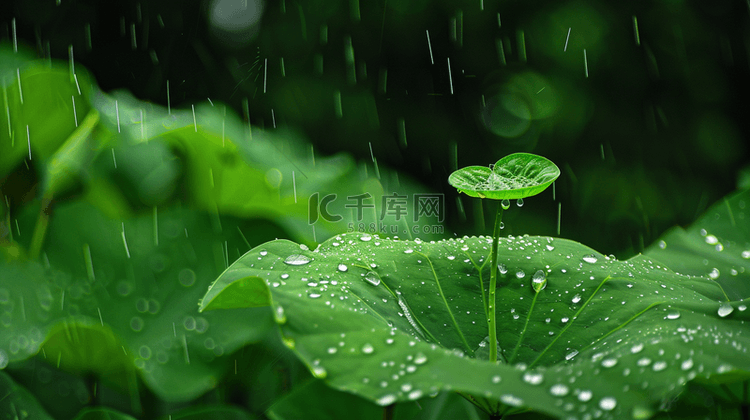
(394, 320)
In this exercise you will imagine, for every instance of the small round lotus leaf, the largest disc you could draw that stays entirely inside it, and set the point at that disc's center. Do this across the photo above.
(515, 176)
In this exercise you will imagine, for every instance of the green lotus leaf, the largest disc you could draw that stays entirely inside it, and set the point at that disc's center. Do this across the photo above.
(515, 176)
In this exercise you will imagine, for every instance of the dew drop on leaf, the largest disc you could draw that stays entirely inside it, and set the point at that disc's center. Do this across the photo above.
(659, 366)
(636, 348)
(416, 394)
(571, 355)
(408, 251)
(365, 238)
(673, 315)
(538, 281)
(502, 268)
(505, 204)
(687, 364)
(608, 363)
(386, 399)
(332, 350)
(533, 378)
(714, 274)
(297, 259)
(591, 258)
(550, 248)
(343, 267)
(725, 309)
(263, 253)
(420, 359)
(558, 390)
(607, 403)
(576, 298)
(746, 254)
(511, 400)
(519, 202)
(520, 274)
(373, 278)
(496, 379)
(585, 395)
(368, 348)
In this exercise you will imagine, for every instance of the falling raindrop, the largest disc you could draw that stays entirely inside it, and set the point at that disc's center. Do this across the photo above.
(297, 259)
(725, 309)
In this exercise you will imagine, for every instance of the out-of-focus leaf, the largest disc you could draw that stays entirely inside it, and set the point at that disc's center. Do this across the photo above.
(120, 296)
(18, 403)
(213, 412)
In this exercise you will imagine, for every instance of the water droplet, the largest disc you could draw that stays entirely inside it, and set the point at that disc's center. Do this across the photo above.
(365, 238)
(644, 361)
(451, 257)
(550, 248)
(746, 254)
(285, 276)
(673, 315)
(408, 251)
(502, 225)
(186, 277)
(687, 364)
(742, 308)
(711, 240)
(725, 309)
(511, 400)
(662, 244)
(505, 204)
(319, 372)
(502, 268)
(585, 395)
(4, 359)
(136, 323)
(714, 274)
(189, 323)
(607, 403)
(297, 259)
(368, 348)
(373, 278)
(406, 387)
(332, 350)
(608, 363)
(576, 298)
(386, 399)
(636, 348)
(313, 295)
(661, 365)
(533, 378)
(519, 202)
(558, 390)
(571, 355)
(144, 352)
(591, 258)
(263, 253)
(420, 359)
(414, 395)
(520, 274)
(343, 267)
(496, 379)
(538, 281)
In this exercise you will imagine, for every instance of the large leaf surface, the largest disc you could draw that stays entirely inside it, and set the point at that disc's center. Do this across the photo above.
(397, 320)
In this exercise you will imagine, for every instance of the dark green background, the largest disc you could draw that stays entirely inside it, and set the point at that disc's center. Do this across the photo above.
(654, 135)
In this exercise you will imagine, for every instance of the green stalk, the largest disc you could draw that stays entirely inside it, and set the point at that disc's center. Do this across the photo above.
(493, 283)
